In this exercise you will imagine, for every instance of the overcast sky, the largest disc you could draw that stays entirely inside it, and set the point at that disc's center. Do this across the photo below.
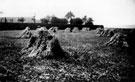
(105, 12)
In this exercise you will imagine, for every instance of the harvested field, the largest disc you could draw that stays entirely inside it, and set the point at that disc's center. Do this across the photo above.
(90, 60)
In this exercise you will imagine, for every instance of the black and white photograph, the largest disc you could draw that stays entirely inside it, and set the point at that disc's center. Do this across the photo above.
(67, 40)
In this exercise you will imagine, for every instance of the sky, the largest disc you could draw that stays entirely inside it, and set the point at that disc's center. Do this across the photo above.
(103, 12)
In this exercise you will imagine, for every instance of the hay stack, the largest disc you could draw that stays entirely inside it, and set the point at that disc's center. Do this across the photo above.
(104, 33)
(85, 29)
(67, 30)
(75, 30)
(43, 45)
(53, 29)
(99, 30)
(108, 33)
(42, 28)
(25, 33)
(39, 29)
(117, 39)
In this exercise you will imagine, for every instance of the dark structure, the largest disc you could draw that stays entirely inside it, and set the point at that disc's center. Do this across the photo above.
(33, 26)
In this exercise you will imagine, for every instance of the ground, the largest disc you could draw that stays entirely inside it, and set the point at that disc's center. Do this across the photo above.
(90, 60)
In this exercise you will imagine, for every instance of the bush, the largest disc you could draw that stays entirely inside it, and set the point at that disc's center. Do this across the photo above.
(77, 21)
(56, 20)
(43, 20)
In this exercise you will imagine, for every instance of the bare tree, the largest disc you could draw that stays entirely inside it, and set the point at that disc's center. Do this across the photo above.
(69, 16)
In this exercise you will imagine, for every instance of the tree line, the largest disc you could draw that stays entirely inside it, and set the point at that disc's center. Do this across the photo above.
(68, 19)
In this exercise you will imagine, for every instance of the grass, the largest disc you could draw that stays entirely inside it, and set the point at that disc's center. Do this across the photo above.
(90, 60)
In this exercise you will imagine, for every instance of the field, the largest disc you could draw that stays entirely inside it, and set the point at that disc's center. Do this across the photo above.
(90, 60)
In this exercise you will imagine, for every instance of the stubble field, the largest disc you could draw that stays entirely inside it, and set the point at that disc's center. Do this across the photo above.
(90, 60)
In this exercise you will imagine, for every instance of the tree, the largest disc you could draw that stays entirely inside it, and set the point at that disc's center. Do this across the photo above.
(89, 21)
(34, 20)
(11, 20)
(45, 21)
(84, 19)
(48, 17)
(56, 20)
(63, 21)
(5, 20)
(77, 21)
(2, 19)
(21, 19)
(69, 16)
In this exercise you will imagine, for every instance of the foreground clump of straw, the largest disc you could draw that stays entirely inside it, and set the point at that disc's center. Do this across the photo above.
(43, 44)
